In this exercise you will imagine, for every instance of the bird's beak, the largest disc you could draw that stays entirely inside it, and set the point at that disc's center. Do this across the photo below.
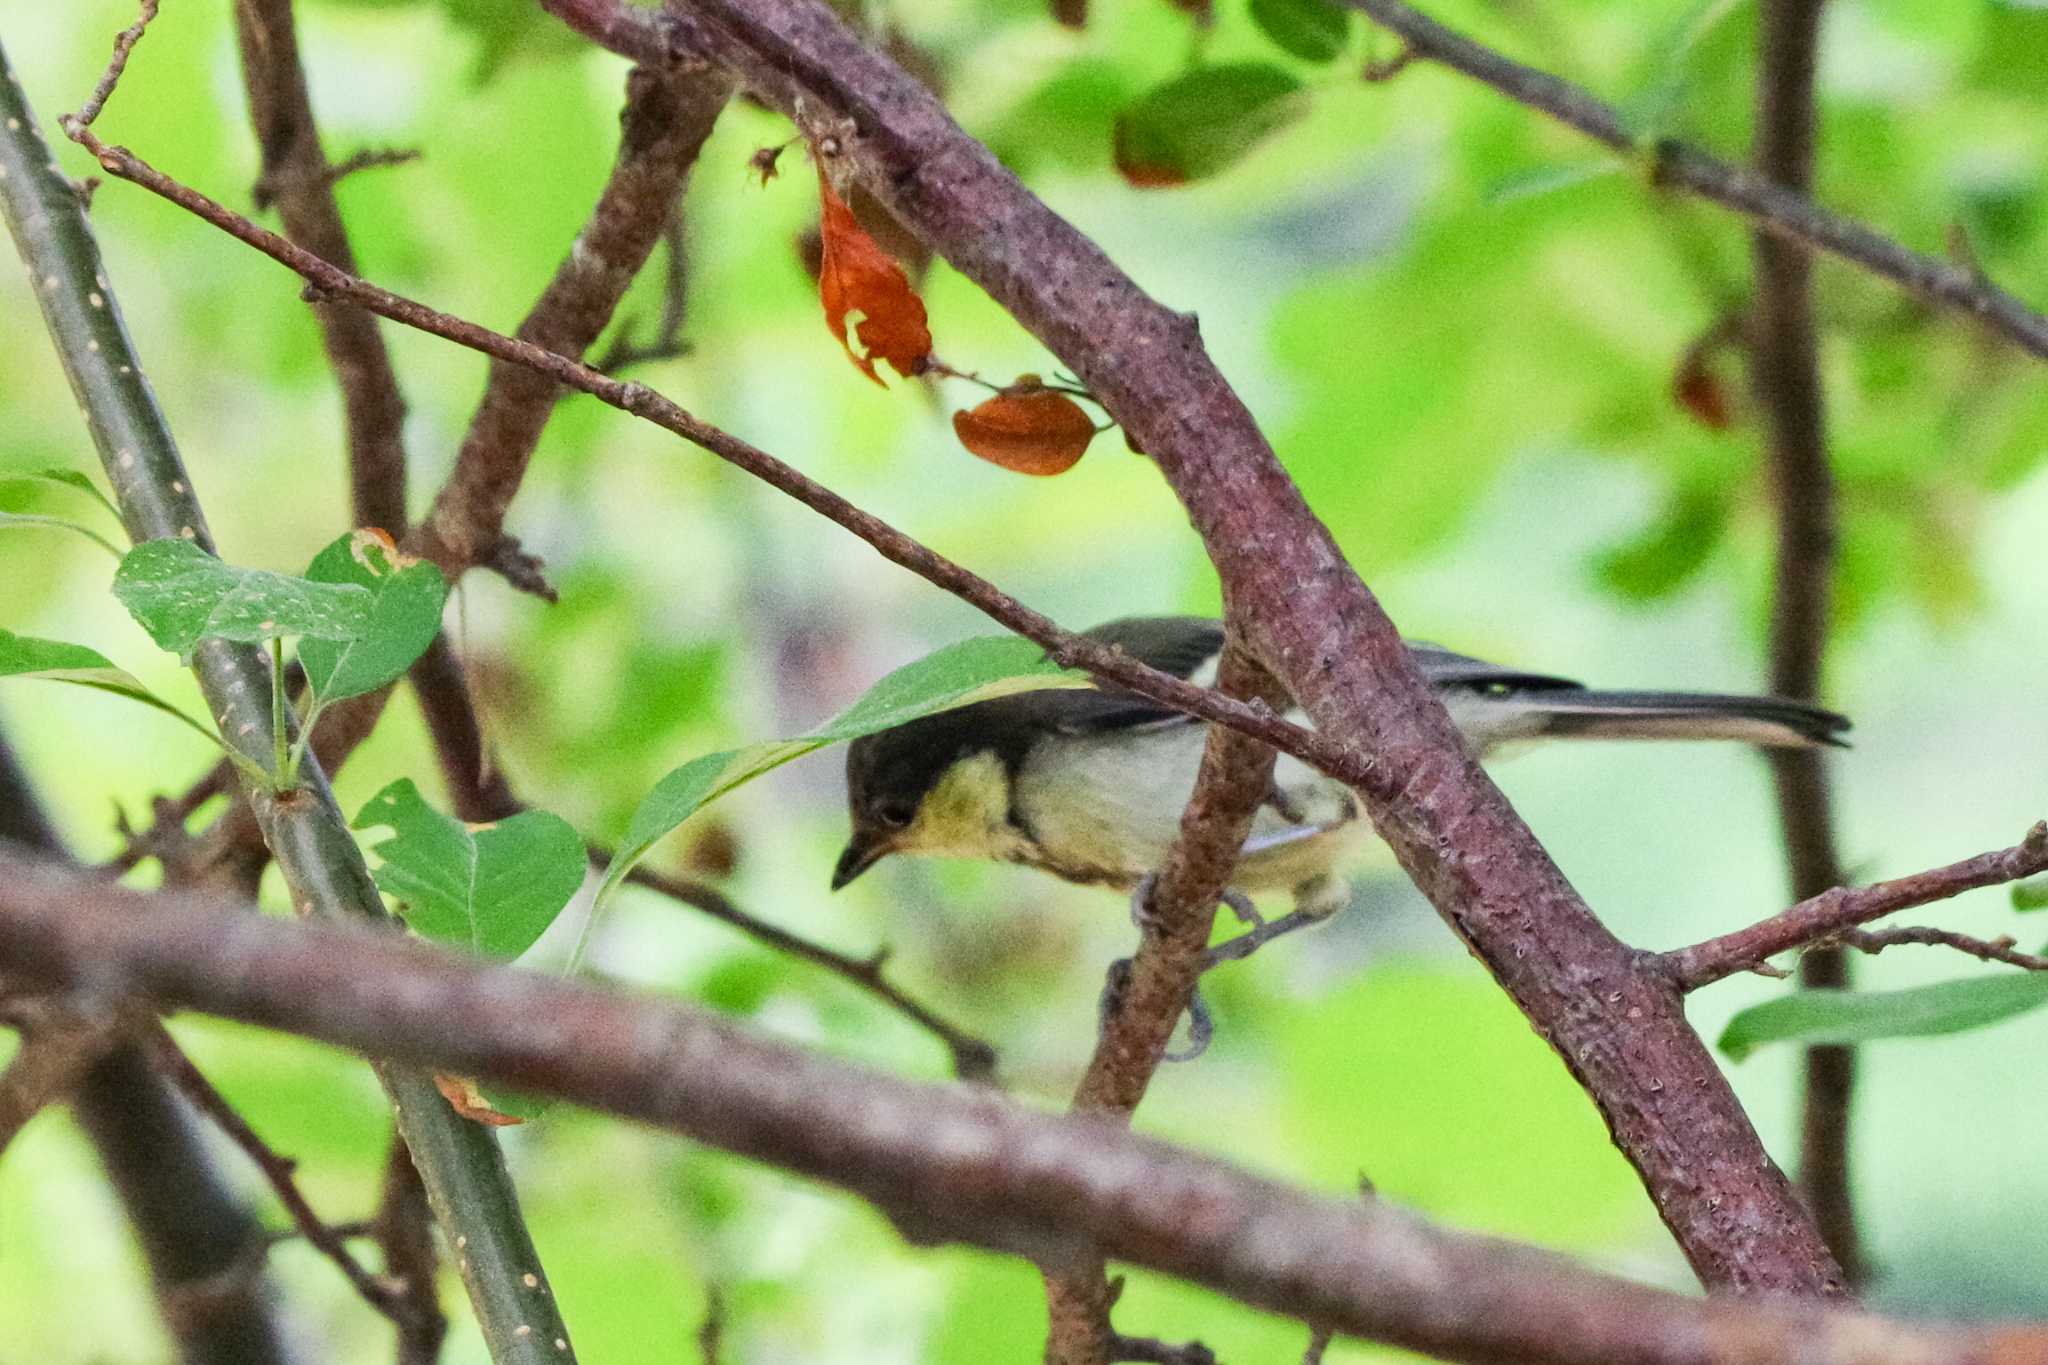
(863, 851)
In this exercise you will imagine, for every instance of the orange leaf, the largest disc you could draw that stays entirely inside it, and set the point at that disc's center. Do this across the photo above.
(1028, 429)
(855, 276)
(467, 1099)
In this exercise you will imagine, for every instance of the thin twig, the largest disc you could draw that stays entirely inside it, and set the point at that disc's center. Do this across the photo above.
(1152, 1351)
(172, 1063)
(1064, 647)
(1988, 949)
(1774, 208)
(1822, 917)
(973, 1058)
(949, 1162)
(124, 43)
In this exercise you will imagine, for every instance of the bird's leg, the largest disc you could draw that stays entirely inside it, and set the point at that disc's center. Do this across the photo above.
(1250, 941)
(1201, 1024)
(1283, 801)
(1241, 905)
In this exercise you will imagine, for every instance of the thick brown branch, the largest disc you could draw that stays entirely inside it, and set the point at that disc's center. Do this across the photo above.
(1785, 375)
(296, 177)
(1821, 917)
(665, 122)
(1309, 620)
(1143, 1009)
(947, 1162)
(1306, 615)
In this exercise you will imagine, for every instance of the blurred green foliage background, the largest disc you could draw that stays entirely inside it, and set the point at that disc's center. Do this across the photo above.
(1460, 326)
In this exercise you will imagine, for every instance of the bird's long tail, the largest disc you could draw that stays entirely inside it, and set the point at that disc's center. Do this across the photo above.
(1572, 713)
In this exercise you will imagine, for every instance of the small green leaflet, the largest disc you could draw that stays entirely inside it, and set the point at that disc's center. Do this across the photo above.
(70, 478)
(405, 615)
(181, 595)
(1313, 30)
(493, 889)
(1199, 124)
(24, 656)
(960, 674)
(2031, 894)
(1859, 1016)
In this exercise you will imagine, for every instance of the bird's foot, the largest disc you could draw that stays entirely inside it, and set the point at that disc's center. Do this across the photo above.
(1147, 921)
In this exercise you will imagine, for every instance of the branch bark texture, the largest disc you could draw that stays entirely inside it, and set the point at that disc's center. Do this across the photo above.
(946, 1162)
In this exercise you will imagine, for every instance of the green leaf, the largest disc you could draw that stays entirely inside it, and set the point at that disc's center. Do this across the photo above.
(36, 519)
(1540, 180)
(2031, 894)
(1859, 1016)
(181, 595)
(493, 889)
(1195, 126)
(2013, 52)
(1665, 555)
(70, 478)
(405, 616)
(1313, 30)
(958, 675)
(24, 656)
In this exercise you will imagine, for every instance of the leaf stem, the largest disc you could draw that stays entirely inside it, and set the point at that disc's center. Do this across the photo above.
(284, 760)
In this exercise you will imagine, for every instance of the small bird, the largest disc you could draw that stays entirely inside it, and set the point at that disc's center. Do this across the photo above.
(1089, 783)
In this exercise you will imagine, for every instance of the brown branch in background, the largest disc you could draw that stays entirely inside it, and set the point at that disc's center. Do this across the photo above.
(1785, 376)
(297, 178)
(947, 1162)
(404, 1229)
(1775, 207)
(1144, 1007)
(666, 120)
(1831, 913)
(1380, 727)
(1149, 1351)
(170, 1061)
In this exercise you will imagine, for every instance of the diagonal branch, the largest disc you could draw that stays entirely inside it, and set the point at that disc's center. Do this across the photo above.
(1314, 625)
(1380, 727)
(947, 1162)
(1822, 917)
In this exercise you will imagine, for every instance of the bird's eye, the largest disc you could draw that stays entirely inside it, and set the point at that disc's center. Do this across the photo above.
(895, 815)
